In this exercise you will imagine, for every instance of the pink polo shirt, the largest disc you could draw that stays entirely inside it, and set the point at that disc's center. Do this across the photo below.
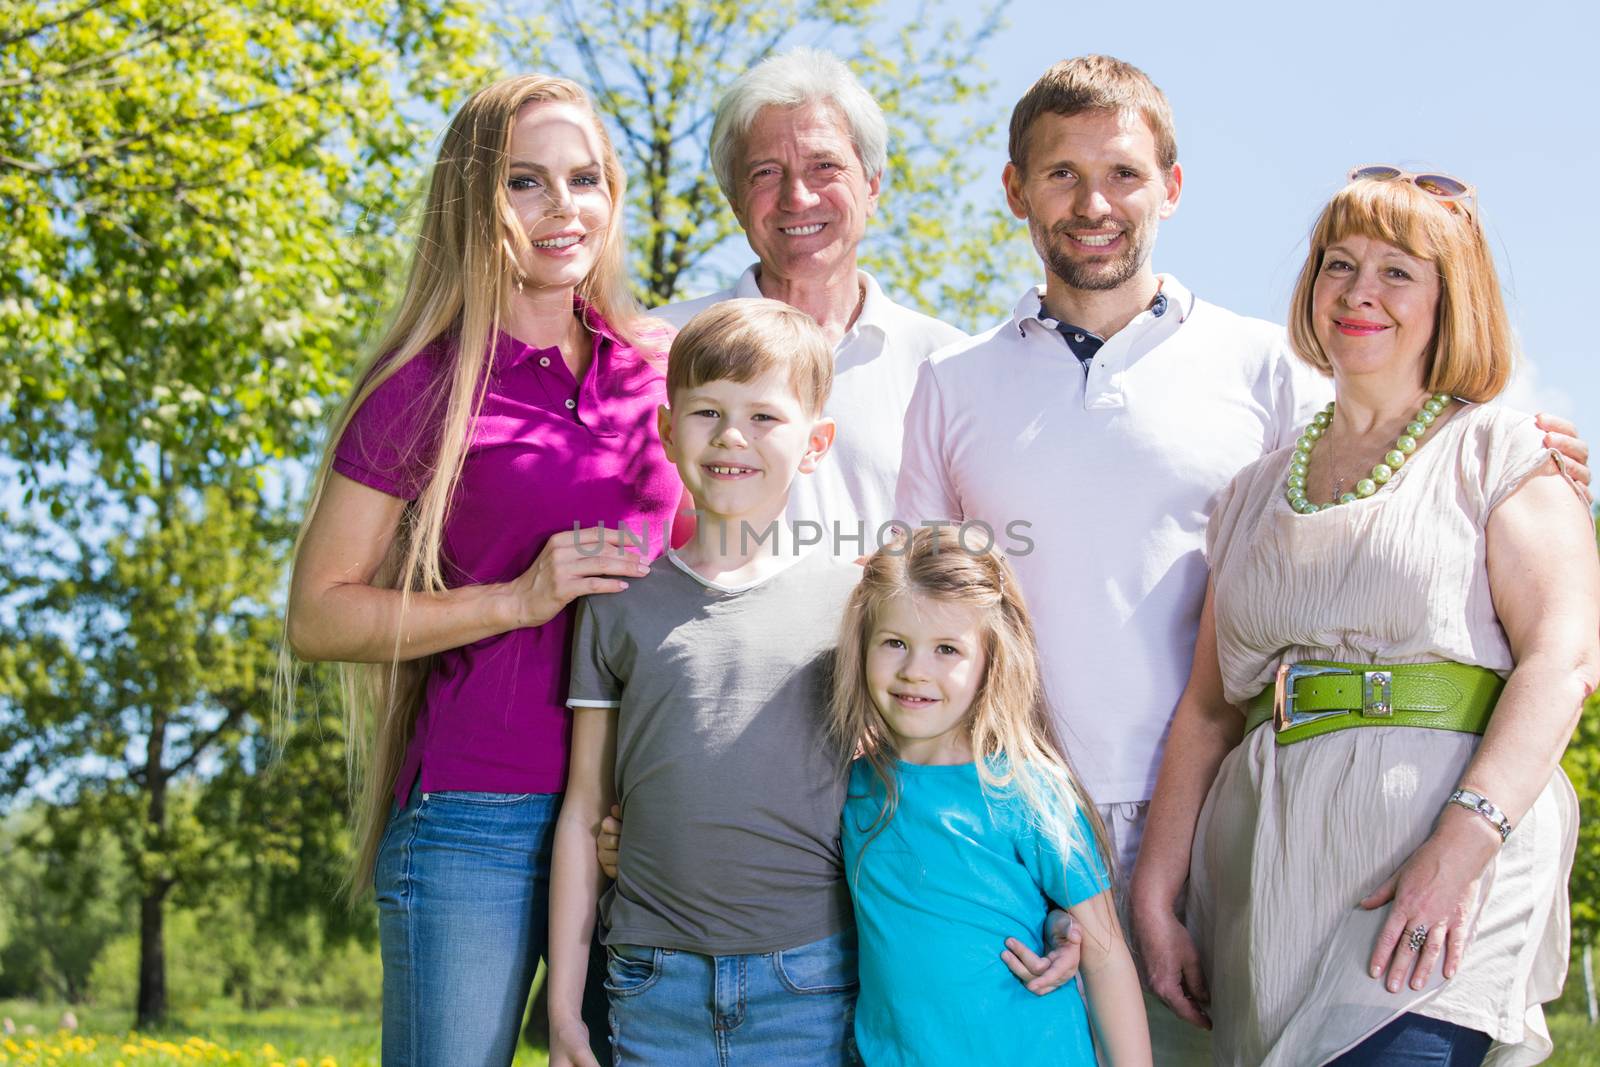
(546, 451)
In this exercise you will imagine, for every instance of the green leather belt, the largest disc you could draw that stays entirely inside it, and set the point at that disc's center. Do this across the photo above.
(1316, 697)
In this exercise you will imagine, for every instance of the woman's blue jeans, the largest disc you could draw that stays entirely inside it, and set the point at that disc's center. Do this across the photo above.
(463, 883)
(1418, 1041)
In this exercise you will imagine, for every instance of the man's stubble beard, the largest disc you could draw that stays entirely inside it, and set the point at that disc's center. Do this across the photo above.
(1101, 277)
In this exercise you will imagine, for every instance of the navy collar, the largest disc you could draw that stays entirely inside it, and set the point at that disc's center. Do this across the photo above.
(1085, 344)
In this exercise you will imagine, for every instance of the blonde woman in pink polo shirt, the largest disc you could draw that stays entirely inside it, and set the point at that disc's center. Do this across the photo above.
(510, 402)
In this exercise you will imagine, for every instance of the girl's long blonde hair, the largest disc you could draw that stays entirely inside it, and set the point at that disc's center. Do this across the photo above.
(1013, 736)
(460, 278)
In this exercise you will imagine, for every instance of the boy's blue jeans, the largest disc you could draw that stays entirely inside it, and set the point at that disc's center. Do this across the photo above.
(795, 1007)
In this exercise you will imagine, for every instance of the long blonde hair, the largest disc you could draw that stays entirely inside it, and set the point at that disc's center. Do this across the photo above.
(458, 283)
(1013, 736)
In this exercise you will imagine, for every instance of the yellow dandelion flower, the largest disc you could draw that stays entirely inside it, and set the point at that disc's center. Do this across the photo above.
(327, 1061)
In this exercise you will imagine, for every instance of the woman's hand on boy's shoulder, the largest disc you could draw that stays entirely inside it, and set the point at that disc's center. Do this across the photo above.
(580, 563)
(1045, 974)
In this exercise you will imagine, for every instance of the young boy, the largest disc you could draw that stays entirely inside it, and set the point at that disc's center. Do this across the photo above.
(699, 700)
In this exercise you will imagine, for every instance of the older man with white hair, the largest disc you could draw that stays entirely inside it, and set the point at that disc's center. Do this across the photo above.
(799, 148)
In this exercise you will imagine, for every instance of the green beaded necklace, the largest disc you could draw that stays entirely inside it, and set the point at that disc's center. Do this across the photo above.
(1405, 444)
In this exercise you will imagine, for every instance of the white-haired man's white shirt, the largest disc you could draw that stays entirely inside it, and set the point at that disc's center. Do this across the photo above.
(1117, 466)
(874, 372)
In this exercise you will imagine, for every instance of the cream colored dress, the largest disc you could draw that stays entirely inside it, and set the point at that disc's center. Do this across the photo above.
(1291, 838)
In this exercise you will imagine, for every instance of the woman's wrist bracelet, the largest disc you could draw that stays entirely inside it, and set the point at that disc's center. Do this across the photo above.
(1482, 805)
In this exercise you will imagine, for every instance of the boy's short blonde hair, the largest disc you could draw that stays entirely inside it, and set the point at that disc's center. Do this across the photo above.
(742, 340)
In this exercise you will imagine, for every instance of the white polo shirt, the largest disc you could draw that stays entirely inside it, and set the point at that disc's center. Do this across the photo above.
(1116, 466)
(874, 372)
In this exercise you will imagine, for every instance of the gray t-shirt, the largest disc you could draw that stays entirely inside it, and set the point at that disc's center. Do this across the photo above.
(730, 789)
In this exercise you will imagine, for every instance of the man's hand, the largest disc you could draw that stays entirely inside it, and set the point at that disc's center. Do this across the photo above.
(608, 841)
(1047, 973)
(1562, 436)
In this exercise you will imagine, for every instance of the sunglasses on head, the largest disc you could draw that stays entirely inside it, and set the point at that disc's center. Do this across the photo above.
(1451, 191)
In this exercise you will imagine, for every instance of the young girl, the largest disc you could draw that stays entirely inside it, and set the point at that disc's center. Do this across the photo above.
(965, 824)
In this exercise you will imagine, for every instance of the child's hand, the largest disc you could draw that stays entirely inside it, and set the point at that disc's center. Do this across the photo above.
(1045, 974)
(569, 1046)
(608, 841)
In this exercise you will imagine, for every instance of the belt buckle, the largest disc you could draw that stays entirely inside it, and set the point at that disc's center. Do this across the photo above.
(1376, 699)
(1283, 713)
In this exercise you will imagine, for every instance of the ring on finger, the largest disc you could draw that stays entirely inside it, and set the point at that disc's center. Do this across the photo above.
(1418, 937)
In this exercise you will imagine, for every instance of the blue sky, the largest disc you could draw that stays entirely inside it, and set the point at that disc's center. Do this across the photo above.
(1275, 102)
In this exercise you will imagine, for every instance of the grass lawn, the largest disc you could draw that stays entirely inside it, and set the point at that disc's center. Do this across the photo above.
(318, 1037)
(300, 1037)
(1577, 1043)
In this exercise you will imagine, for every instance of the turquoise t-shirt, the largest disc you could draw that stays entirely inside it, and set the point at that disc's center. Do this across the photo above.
(937, 892)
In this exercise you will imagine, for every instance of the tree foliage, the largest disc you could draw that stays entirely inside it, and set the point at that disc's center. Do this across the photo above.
(1582, 764)
(941, 240)
(189, 196)
(69, 930)
(141, 656)
(198, 208)
(62, 900)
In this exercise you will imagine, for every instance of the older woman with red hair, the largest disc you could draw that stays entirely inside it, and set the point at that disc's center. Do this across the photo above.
(1362, 784)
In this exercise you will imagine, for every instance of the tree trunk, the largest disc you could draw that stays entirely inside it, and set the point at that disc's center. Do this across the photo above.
(152, 1003)
(1588, 984)
(152, 959)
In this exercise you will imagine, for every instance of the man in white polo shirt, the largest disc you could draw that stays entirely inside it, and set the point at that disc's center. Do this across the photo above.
(799, 148)
(1108, 411)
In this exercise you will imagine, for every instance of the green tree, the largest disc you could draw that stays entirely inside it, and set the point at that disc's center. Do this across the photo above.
(1582, 764)
(197, 211)
(657, 67)
(193, 199)
(141, 650)
(63, 895)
